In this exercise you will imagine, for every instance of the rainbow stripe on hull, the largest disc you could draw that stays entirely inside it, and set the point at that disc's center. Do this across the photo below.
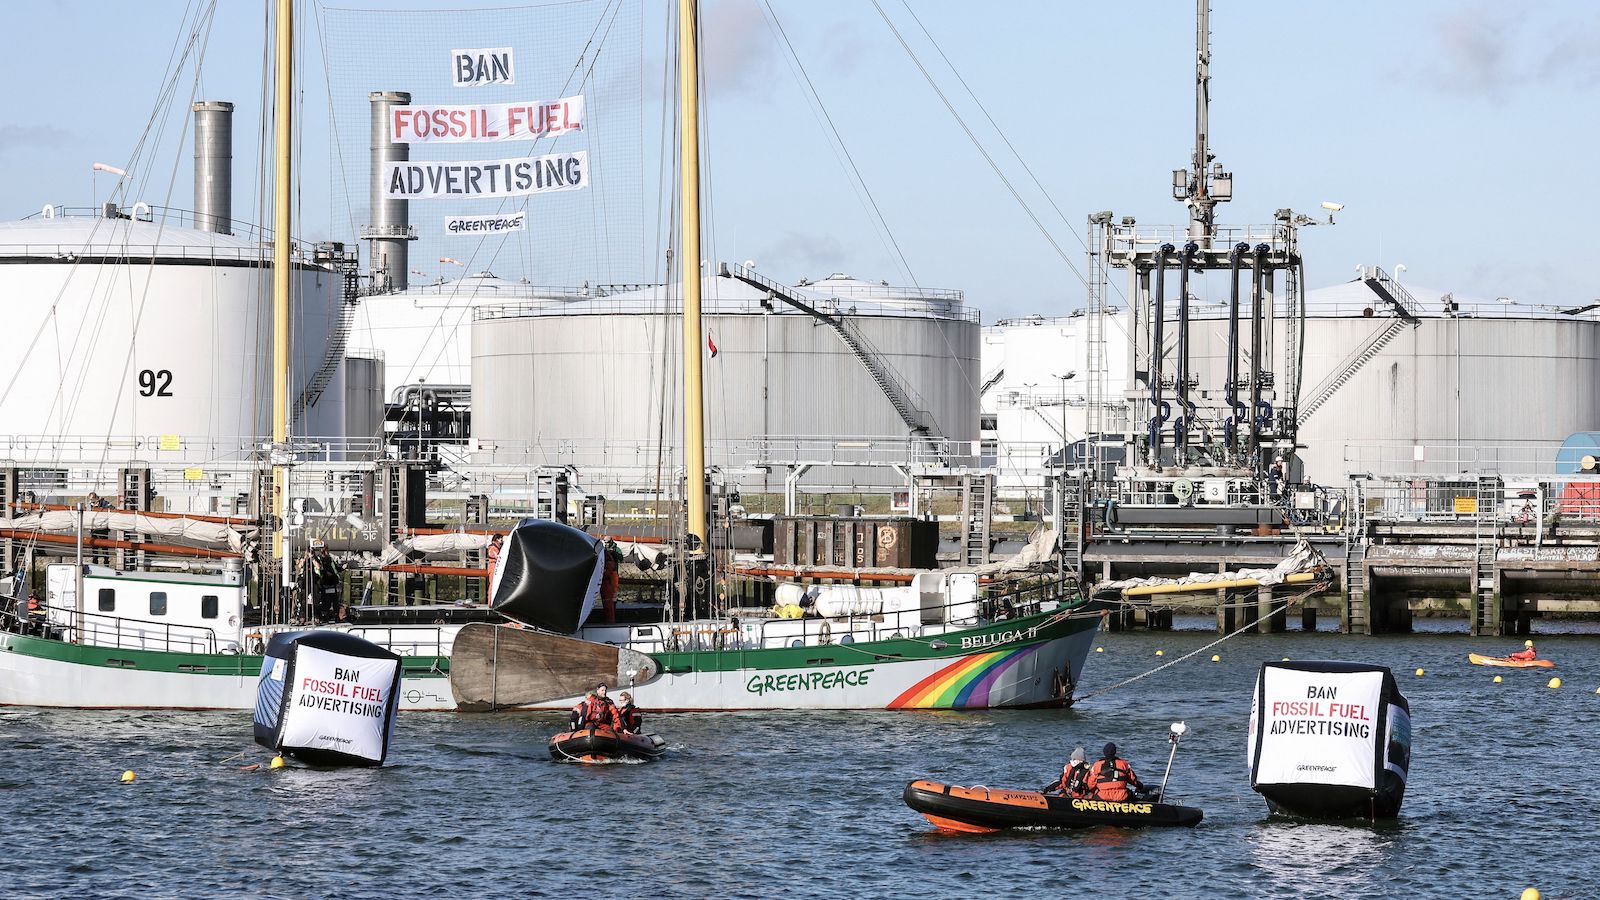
(966, 683)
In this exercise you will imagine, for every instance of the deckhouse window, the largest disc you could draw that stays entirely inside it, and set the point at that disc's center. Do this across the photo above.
(208, 606)
(158, 603)
(108, 599)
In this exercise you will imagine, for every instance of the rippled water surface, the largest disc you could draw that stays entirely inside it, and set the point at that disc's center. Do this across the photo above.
(1502, 796)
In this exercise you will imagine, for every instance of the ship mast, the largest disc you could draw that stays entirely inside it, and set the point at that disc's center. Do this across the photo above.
(283, 106)
(695, 546)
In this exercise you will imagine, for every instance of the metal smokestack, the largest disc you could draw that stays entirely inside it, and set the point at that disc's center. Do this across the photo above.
(390, 229)
(213, 166)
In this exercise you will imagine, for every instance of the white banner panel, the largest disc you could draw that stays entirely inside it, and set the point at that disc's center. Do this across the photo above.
(338, 703)
(485, 123)
(487, 178)
(486, 224)
(489, 65)
(1319, 727)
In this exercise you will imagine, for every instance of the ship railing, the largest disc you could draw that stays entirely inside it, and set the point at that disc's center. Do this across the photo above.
(405, 640)
(111, 632)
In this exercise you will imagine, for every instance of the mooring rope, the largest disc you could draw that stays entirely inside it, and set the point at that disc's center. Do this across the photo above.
(1280, 607)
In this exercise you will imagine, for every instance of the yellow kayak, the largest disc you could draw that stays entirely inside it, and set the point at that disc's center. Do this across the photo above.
(1479, 660)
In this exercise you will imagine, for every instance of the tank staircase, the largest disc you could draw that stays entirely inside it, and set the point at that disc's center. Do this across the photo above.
(1356, 610)
(1486, 619)
(918, 420)
(338, 338)
(977, 500)
(1403, 309)
(991, 381)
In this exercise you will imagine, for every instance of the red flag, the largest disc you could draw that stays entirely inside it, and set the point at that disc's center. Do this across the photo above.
(712, 346)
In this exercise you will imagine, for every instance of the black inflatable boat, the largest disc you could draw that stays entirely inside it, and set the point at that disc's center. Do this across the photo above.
(603, 744)
(980, 809)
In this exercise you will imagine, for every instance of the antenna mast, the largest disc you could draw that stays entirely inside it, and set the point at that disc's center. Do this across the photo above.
(1204, 184)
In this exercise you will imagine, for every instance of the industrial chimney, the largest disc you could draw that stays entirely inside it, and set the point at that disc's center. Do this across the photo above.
(213, 166)
(390, 229)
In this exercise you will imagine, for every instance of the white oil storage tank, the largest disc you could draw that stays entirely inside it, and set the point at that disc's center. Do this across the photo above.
(132, 334)
(596, 381)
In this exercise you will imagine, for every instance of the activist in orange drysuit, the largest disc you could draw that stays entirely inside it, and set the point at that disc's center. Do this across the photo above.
(1112, 778)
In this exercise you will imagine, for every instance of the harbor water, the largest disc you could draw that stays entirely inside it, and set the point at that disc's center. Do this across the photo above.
(1501, 796)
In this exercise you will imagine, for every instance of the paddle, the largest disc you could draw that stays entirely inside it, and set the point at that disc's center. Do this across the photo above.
(1176, 735)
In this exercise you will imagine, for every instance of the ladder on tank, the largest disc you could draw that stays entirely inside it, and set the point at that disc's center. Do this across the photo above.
(976, 503)
(1486, 618)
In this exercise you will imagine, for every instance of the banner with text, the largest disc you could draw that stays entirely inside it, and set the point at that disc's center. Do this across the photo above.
(486, 224)
(487, 65)
(485, 122)
(339, 703)
(1317, 727)
(487, 178)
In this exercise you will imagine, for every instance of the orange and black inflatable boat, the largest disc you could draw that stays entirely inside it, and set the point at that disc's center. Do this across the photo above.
(604, 744)
(981, 809)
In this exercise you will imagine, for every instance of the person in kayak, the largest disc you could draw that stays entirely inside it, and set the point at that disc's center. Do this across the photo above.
(1526, 654)
(1074, 781)
(1112, 777)
(628, 717)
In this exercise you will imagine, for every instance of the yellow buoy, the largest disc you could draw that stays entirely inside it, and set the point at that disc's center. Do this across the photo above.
(1161, 653)
(1554, 683)
(277, 763)
(1099, 649)
(1497, 679)
(1216, 658)
(1286, 659)
(1420, 673)
(128, 777)
(1531, 894)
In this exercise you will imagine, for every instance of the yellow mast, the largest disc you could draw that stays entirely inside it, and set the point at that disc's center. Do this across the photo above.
(689, 263)
(283, 105)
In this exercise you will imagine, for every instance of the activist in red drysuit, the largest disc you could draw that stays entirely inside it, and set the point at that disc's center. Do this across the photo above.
(628, 717)
(1074, 781)
(1112, 777)
(595, 710)
(1526, 653)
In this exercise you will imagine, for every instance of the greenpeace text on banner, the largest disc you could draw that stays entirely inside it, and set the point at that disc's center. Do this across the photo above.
(486, 224)
(487, 178)
(485, 122)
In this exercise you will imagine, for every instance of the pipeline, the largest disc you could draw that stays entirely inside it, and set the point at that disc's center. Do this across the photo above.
(1159, 410)
(1257, 296)
(1236, 410)
(1181, 425)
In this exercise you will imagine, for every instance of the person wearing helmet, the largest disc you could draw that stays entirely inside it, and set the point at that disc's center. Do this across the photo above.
(1074, 781)
(1527, 653)
(1112, 779)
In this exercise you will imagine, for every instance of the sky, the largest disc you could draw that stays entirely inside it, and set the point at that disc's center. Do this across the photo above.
(1460, 136)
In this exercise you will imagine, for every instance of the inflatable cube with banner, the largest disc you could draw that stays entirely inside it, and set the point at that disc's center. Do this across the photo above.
(327, 698)
(1329, 740)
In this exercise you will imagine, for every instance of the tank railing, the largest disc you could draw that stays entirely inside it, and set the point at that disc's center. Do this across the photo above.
(167, 215)
(108, 631)
(602, 305)
(1445, 457)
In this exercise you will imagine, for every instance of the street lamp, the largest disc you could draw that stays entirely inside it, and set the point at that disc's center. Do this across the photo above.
(1064, 379)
